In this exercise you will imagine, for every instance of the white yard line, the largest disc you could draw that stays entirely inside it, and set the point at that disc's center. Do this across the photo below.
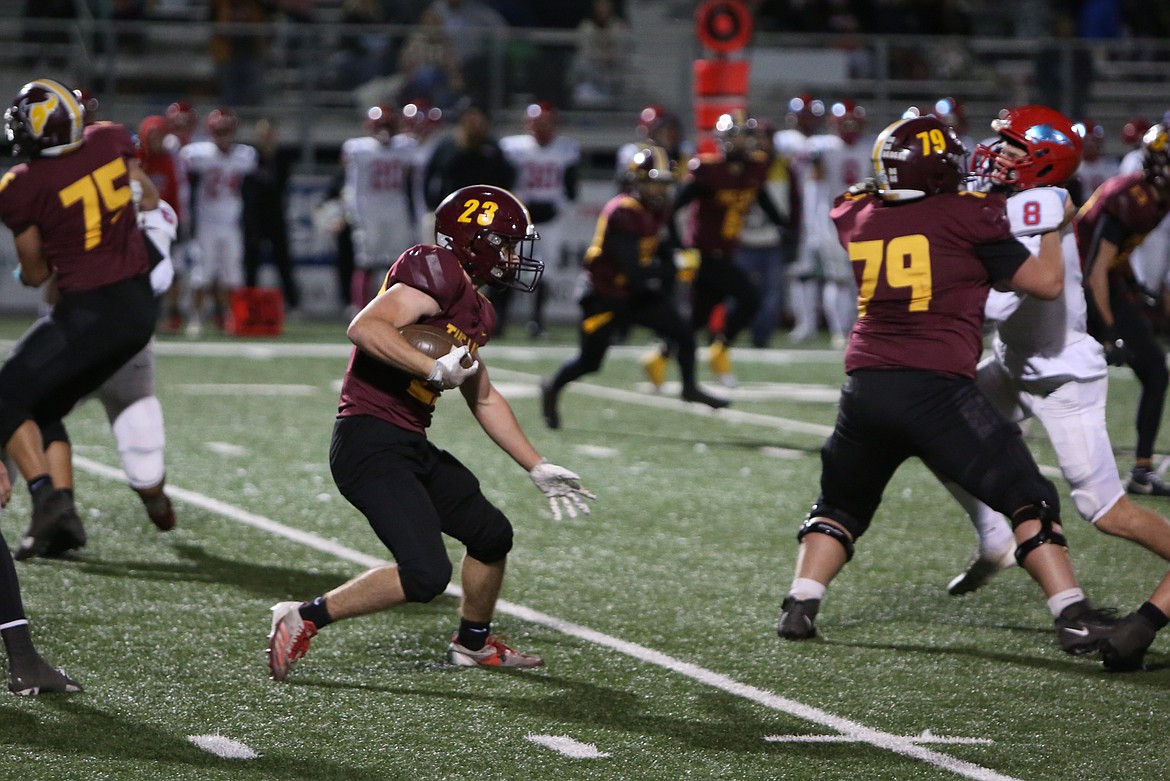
(853, 730)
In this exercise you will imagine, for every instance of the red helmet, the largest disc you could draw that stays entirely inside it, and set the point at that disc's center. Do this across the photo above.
(222, 120)
(1051, 148)
(1133, 130)
(1092, 138)
(381, 122)
(916, 157)
(805, 113)
(420, 116)
(654, 118)
(848, 120)
(952, 112)
(89, 103)
(542, 120)
(492, 234)
(181, 115)
(649, 166)
(45, 120)
(1156, 154)
(154, 125)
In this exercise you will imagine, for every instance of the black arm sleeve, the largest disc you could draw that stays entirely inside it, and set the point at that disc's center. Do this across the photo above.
(1002, 258)
(764, 199)
(572, 182)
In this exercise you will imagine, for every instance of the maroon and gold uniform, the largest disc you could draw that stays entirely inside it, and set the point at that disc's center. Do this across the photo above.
(81, 204)
(373, 387)
(921, 284)
(923, 268)
(623, 221)
(1123, 211)
(724, 191)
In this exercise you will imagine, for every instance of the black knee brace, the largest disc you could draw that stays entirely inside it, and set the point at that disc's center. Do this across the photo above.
(1047, 534)
(817, 526)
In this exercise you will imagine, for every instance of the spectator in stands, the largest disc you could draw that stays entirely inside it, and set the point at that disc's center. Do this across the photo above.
(265, 225)
(429, 63)
(471, 26)
(602, 57)
(361, 55)
(468, 156)
(238, 47)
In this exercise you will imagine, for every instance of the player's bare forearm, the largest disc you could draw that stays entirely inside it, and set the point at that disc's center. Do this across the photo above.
(496, 418)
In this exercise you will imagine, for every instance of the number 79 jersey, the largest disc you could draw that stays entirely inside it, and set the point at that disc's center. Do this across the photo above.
(81, 204)
(923, 270)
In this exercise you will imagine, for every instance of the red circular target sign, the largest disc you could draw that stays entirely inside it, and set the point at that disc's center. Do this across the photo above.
(723, 26)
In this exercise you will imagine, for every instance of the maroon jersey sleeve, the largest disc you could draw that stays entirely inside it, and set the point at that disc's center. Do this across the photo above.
(921, 285)
(374, 388)
(81, 204)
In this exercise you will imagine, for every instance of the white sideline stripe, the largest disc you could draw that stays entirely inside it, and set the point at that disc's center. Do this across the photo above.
(567, 746)
(858, 732)
(678, 405)
(925, 737)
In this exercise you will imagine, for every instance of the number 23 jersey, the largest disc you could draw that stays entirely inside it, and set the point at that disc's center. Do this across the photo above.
(923, 270)
(81, 204)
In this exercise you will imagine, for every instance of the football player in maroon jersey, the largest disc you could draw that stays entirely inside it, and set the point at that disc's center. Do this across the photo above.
(412, 492)
(70, 208)
(628, 270)
(719, 189)
(1109, 226)
(925, 255)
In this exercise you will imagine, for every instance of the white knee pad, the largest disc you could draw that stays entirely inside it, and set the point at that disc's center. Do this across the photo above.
(141, 442)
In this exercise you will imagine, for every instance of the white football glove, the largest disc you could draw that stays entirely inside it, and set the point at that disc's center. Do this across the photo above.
(449, 372)
(562, 487)
(1038, 210)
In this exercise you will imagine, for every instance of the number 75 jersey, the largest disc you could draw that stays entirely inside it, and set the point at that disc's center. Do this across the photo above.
(923, 270)
(81, 204)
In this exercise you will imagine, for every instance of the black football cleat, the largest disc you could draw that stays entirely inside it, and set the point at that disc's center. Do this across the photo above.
(1083, 629)
(797, 618)
(696, 394)
(548, 405)
(1125, 648)
(50, 520)
(37, 676)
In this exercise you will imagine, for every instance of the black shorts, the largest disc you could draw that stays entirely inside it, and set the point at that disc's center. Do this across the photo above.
(69, 354)
(412, 493)
(888, 416)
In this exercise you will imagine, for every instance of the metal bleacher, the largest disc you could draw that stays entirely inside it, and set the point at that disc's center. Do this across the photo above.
(136, 68)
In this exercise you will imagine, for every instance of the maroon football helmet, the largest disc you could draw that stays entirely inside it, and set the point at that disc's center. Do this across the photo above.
(735, 134)
(916, 157)
(1051, 147)
(648, 169)
(1156, 154)
(45, 119)
(492, 234)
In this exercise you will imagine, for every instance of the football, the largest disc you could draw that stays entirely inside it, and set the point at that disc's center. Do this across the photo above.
(434, 341)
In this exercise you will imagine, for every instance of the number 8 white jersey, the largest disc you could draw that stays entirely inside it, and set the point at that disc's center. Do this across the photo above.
(1040, 340)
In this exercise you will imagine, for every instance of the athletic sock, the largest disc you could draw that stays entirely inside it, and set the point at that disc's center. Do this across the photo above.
(317, 612)
(1152, 614)
(473, 635)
